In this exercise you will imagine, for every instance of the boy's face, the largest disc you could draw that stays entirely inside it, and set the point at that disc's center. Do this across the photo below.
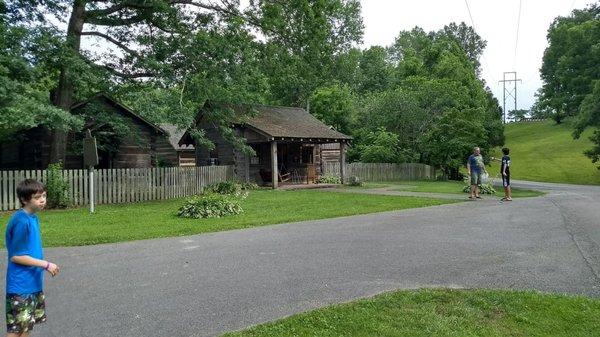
(37, 202)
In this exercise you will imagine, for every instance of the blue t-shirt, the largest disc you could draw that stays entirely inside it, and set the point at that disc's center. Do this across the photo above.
(505, 166)
(476, 163)
(23, 238)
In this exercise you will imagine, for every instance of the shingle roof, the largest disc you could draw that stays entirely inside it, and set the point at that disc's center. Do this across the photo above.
(114, 102)
(286, 122)
(175, 133)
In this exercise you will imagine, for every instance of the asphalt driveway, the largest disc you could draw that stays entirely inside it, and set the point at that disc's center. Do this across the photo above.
(207, 284)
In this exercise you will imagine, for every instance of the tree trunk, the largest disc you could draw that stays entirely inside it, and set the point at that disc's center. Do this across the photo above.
(63, 97)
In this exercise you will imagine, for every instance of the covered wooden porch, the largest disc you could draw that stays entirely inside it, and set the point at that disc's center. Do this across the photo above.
(288, 161)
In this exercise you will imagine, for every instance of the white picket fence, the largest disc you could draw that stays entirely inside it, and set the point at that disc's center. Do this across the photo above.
(114, 186)
(382, 171)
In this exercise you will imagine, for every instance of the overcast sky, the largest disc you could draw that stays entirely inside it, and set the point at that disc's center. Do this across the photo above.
(495, 20)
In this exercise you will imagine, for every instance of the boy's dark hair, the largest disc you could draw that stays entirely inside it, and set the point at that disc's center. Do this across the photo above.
(506, 151)
(27, 188)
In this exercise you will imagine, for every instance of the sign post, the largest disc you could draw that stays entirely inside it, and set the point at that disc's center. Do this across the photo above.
(90, 159)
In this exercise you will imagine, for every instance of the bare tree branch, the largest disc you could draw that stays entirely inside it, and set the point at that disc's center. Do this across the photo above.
(113, 40)
(119, 73)
(127, 75)
(133, 5)
(111, 21)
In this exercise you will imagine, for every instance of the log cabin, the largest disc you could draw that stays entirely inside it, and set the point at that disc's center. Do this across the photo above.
(146, 144)
(289, 144)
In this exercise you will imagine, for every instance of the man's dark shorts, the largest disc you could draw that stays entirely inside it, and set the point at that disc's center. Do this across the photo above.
(506, 180)
(24, 311)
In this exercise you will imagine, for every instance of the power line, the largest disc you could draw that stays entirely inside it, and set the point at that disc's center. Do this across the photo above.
(517, 36)
(482, 55)
(572, 6)
(470, 15)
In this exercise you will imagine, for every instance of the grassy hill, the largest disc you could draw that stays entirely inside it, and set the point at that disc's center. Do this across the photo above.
(544, 151)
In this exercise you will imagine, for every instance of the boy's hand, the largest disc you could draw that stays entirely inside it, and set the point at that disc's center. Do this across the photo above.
(53, 269)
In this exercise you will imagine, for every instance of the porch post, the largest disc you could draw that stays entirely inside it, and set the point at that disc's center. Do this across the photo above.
(274, 173)
(343, 162)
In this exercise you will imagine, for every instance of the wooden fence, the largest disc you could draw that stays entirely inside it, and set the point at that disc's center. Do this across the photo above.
(112, 186)
(382, 171)
(527, 119)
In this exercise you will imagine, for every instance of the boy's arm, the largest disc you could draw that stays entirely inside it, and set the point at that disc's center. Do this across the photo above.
(27, 260)
(22, 248)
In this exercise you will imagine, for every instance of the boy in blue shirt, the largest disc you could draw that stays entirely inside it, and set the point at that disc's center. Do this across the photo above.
(25, 301)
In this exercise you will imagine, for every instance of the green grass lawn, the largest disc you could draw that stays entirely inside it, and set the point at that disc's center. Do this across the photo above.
(116, 223)
(443, 187)
(544, 151)
(485, 313)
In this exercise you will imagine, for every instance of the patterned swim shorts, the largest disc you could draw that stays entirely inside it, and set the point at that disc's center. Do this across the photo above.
(24, 311)
(476, 178)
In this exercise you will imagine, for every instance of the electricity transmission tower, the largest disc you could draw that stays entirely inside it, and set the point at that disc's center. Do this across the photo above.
(512, 93)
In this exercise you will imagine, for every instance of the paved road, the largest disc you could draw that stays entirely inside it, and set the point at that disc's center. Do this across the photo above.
(207, 284)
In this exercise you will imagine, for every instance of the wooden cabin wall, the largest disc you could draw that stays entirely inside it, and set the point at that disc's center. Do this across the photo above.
(223, 149)
(187, 157)
(330, 152)
(164, 151)
(138, 150)
(29, 150)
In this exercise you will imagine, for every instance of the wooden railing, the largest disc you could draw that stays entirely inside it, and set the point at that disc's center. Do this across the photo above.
(112, 186)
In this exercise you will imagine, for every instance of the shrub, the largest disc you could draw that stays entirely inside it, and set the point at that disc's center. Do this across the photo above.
(249, 186)
(210, 205)
(225, 187)
(329, 179)
(57, 188)
(354, 181)
(483, 189)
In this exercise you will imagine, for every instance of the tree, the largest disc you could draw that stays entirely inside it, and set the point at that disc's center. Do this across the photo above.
(570, 73)
(518, 114)
(144, 33)
(24, 88)
(589, 116)
(539, 110)
(374, 70)
(433, 80)
(451, 140)
(570, 63)
(468, 39)
(190, 50)
(304, 39)
(381, 146)
(346, 68)
(334, 106)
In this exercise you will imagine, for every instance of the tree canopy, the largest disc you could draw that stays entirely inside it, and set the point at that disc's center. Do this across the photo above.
(164, 58)
(571, 74)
